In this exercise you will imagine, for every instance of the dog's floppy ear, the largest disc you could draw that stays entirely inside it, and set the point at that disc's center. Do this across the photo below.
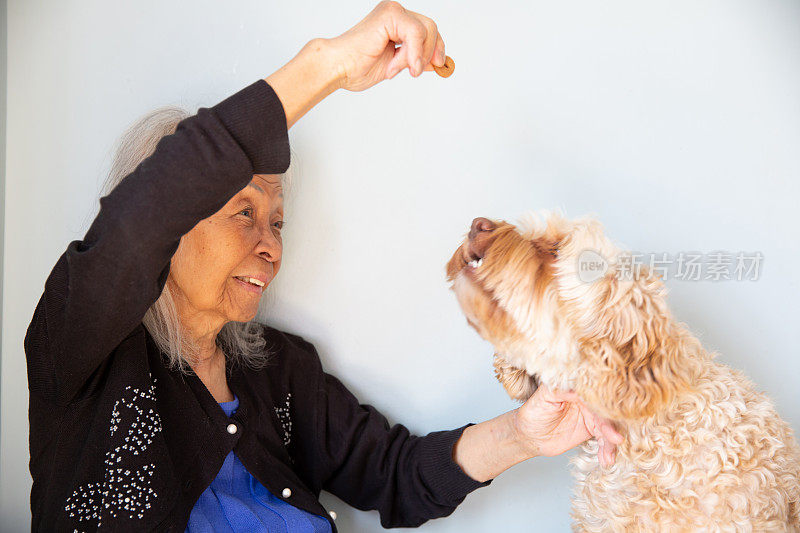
(545, 247)
(635, 357)
(637, 362)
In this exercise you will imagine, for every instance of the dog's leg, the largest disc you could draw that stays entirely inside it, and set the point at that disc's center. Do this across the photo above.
(518, 383)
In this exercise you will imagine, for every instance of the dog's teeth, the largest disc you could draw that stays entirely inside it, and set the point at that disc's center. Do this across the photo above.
(473, 263)
(479, 262)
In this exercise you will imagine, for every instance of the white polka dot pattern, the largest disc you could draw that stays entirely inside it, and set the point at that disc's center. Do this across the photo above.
(285, 419)
(125, 491)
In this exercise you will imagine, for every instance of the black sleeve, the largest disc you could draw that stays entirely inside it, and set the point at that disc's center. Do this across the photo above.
(368, 464)
(102, 285)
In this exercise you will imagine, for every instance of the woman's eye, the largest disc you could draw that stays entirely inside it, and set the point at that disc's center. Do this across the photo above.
(279, 223)
(247, 209)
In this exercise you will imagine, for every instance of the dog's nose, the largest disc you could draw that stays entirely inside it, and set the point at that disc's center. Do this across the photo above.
(480, 224)
(480, 237)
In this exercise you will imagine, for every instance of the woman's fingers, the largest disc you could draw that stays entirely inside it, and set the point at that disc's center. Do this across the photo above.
(407, 30)
(611, 434)
(389, 39)
(397, 63)
(607, 438)
(594, 423)
(419, 40)
(601, 451)
(606, 453)
(598, 427)
(557, 395)
(439, 55)
(432, 39)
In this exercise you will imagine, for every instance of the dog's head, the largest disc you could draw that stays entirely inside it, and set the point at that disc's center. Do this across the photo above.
(554, 298)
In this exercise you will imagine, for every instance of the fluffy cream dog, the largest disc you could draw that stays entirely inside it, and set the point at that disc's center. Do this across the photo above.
(703, 449)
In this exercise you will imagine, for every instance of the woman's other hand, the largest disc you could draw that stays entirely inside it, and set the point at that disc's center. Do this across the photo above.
(366, 53)
(555, 421)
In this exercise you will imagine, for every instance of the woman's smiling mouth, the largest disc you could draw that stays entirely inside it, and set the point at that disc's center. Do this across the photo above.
(251, 284)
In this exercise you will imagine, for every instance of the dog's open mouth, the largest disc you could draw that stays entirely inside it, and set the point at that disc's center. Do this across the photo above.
(470, 265)
(475, 263)
(470, 270)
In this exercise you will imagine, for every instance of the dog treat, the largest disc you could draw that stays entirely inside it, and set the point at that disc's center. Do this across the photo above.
(447, 69)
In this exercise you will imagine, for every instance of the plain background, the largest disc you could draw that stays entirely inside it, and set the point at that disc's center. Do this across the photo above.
(677, 123)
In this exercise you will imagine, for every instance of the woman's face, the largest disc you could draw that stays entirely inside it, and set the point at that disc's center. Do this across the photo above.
(241, 239)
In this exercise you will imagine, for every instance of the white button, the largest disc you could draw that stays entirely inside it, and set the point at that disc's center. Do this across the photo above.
(333, 514)
(287, 492)
(232, 428)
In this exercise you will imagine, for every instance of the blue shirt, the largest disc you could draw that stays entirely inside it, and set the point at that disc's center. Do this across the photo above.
(236, 501)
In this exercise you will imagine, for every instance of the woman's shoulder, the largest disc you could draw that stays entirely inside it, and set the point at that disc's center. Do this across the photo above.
(285, 338)
(292, 348)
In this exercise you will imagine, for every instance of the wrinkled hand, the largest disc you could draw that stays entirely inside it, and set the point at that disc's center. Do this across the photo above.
(366, 53)
(554, 421)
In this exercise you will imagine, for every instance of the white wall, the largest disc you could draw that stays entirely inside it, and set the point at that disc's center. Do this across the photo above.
(677, 122)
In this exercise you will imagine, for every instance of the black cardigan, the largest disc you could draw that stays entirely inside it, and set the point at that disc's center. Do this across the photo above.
(119, 442)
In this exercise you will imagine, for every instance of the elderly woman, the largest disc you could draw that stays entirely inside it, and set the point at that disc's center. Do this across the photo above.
(157, 403)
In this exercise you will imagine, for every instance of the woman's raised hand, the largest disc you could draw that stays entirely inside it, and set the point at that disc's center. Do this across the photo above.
(367, 54)
(359, 58)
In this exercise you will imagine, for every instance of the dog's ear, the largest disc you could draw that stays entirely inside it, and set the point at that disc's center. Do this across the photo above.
(546, 247)
(635, 356)
(638, 360)
(544, 230)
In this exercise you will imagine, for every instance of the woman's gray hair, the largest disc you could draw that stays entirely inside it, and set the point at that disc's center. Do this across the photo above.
(241, 342)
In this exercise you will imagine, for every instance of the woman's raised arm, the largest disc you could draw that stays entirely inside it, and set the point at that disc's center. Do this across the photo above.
(102, 285)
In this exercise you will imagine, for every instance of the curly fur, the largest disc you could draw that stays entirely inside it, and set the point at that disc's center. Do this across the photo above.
(703, 449)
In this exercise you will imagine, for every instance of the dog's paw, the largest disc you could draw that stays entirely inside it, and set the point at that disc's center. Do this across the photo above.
(518, 384)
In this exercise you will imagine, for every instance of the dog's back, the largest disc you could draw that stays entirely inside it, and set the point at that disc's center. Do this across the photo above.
(721, 457)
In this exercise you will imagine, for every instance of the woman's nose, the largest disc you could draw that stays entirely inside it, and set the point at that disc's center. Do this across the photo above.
(481, 236)
(270, 247)
(272, 255)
